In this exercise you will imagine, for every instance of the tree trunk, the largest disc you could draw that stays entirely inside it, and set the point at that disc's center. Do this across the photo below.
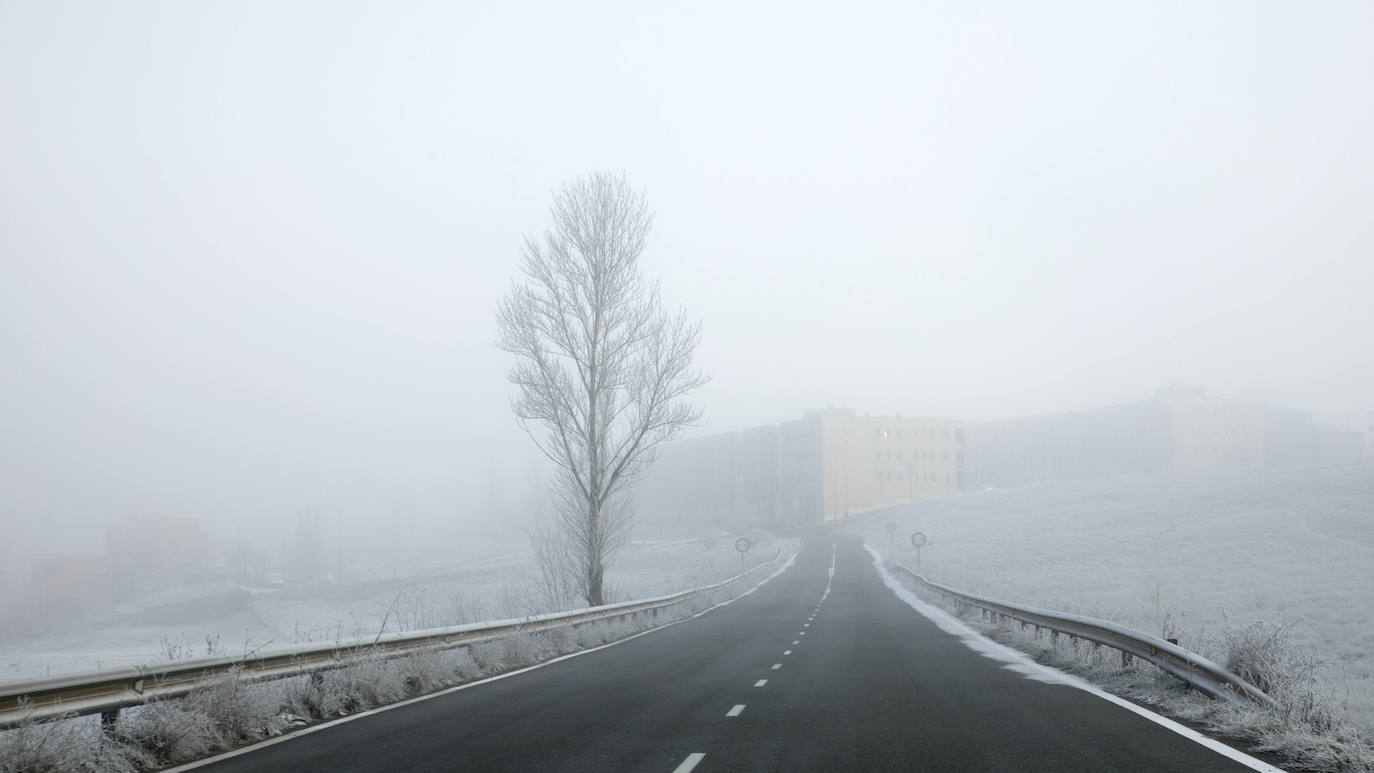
(595, 573)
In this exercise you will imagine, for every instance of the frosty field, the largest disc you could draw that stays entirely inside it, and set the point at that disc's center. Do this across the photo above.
(1174, 555)
(490, 582)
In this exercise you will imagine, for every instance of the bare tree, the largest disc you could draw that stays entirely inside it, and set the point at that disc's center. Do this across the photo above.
(602, 369)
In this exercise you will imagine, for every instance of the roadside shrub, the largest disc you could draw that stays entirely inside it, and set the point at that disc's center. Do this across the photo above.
(1264, 655)
(169, 731)
(66, 744)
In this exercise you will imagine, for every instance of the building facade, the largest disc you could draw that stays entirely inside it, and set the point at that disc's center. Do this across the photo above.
(826, 466)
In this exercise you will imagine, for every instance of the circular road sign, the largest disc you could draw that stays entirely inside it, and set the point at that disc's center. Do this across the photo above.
(891, 527)
(742, 545)
(918, 539)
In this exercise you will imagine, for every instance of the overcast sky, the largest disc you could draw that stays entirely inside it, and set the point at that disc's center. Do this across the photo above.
(250, 252)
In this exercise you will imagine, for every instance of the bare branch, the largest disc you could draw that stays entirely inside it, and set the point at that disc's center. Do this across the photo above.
(601, 369)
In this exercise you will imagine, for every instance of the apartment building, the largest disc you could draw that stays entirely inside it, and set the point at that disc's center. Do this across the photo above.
(826, 466)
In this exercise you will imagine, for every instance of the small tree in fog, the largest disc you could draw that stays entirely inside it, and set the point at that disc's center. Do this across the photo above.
(602, 369)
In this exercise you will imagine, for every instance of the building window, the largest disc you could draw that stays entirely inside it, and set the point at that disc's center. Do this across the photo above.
(877, 432)
(944, 455)
(899, 454)
(899, 477)
(880, 476)
(944, 433)
(899, 432)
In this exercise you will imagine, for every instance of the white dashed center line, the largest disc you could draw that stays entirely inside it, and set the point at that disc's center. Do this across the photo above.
(787, 652)
(795, 643)
(760, 682)
(689, 763)
(735, 712)
(776, 666)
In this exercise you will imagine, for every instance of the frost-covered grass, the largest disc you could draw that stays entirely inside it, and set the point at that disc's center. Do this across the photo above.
(234, 711)
(1269, 573)
(1221, 551)
(1304, 729)
(486, 582)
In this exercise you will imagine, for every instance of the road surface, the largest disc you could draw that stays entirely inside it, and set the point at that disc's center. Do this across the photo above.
(787, 678)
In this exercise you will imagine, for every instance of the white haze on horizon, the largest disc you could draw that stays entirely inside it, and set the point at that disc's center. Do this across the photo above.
(250, 253)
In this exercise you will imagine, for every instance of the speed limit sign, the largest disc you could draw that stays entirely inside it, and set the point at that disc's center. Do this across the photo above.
(742, 545)
(918, 539)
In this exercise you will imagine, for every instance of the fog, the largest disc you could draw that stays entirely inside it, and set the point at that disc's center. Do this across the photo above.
(250, 253)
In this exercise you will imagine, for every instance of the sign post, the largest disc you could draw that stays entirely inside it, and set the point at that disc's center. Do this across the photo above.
(918, 540)
(742, 545)
(891, 529)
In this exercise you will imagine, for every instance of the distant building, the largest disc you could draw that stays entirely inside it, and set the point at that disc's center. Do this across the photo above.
(826, 466)
(1180, 429)
(65, 588)
(147, 552)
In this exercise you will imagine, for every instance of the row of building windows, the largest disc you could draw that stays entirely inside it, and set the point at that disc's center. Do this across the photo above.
(930, 433)
(930, 477)
(929, 455)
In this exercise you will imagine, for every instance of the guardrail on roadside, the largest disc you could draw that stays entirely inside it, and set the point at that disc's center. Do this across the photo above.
(1194, 670)
(106, 692)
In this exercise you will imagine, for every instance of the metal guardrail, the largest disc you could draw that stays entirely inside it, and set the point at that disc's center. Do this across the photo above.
(106, 692)
(1193, 669)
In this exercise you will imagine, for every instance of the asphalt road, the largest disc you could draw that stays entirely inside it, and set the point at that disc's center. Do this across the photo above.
(778, 680)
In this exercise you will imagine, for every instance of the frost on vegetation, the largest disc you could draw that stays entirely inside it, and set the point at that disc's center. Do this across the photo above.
(234, 710)
(229, 712)
(67, 744)
(1308, 727)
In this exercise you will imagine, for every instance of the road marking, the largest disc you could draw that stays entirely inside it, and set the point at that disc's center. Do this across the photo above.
(735, 712)
(829, 578)
(806, 625)
(689, 763)
(795, 643)
(776, 666)
(760, 682)
(801, 633)
(787, 652)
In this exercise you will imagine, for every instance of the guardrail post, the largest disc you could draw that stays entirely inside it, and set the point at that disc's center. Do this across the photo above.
(1125, 659)
(107, 721)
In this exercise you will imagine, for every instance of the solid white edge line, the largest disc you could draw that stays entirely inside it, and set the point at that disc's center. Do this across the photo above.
(689, 763)
(341, 720)
(735, 712)
(946, 622)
